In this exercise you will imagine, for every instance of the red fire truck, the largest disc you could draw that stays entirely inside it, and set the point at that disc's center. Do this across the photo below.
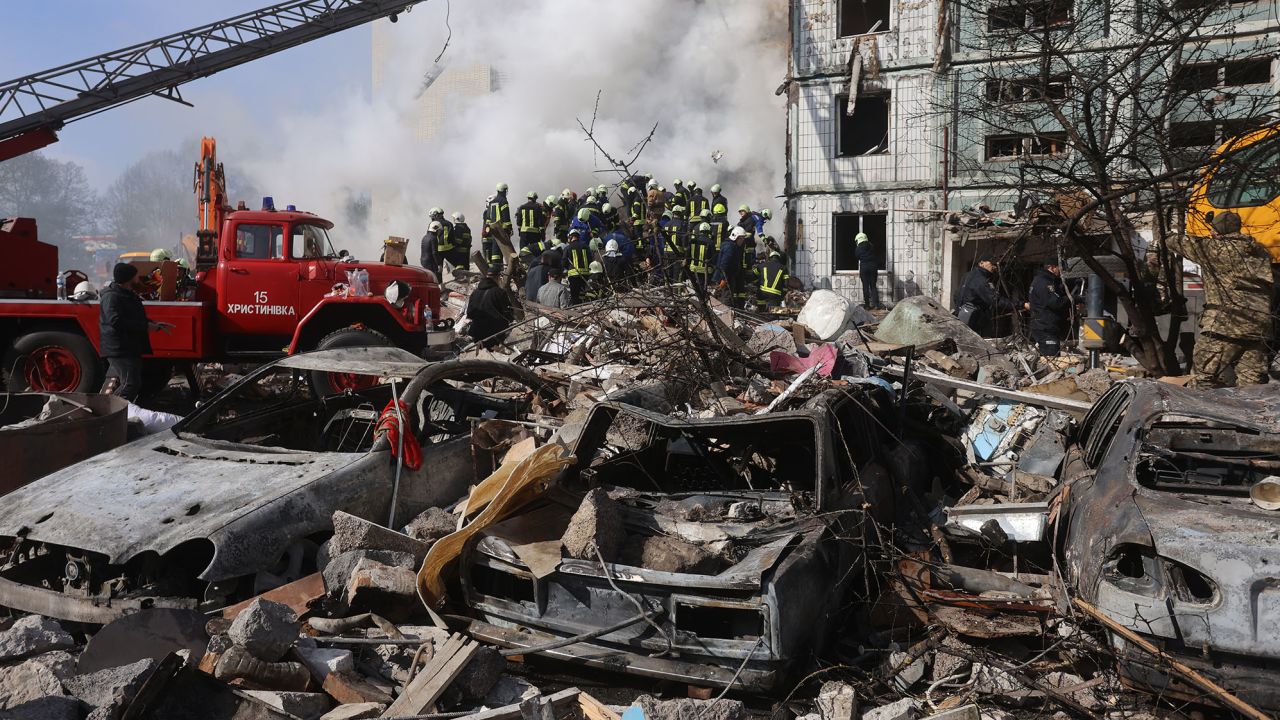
(262, 286)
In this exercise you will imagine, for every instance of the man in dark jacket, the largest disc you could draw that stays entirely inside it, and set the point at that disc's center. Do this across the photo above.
(123, 326)
(977, 301)
(537, 276)
(1050, 308)
(489, 310)
(868, 271)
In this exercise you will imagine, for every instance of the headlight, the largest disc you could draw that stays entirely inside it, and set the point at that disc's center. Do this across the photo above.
(397, 292)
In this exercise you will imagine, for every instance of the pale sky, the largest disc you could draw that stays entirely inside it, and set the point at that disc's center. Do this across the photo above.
(46, 34)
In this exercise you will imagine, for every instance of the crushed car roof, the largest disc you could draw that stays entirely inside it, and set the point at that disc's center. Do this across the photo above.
(383, 361)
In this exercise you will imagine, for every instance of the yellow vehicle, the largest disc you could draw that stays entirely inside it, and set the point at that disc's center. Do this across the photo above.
(1244, 177)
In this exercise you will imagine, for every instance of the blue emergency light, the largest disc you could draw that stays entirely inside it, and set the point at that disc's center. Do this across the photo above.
(268, 203)
(291, 208)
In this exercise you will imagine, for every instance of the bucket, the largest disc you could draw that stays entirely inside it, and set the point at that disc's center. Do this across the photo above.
(1266, 493)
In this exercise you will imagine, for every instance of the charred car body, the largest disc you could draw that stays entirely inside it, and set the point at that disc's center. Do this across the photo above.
(237, 497)
(741, 537)
(1161, 534)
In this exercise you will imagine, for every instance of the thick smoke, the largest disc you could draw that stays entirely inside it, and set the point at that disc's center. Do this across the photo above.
(704, 70)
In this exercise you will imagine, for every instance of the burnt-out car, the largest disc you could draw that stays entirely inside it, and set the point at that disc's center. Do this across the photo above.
(237, 497)
(1161, 535)
(741, 536)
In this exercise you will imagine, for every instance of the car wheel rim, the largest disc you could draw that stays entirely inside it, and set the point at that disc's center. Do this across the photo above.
(52, 369)
(343, 382)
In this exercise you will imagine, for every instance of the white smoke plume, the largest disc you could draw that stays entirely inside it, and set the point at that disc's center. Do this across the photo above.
(704, 70)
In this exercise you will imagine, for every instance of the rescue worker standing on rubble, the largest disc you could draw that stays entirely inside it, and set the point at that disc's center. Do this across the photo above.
(1050, 309)
(433, 247)
(1236, 324)
(697, 203)
(578, 257)
(533, 222)
(498, 213)
(123, 329)
(615, 264)
(674, 235)
(719, 205)
(728, 275)
(490, 311)
(773, 282)
(977, 300)
(868, 270)
(702, 256)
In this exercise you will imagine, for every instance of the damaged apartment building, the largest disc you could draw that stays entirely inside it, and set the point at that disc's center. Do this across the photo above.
(889, 118)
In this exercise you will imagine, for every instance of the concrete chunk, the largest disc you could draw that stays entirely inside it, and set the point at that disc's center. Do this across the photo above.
(353, 533)
(337, 573)
(432, 525)
(596, 525)
(32, 635)
(904, 709)
(111, 687)
(266, 629)
(355, 711)
(837, 701)
(322, 661)
(22, 683)
(690, 709)
(479, 675)
(305, 705)
(666, 554)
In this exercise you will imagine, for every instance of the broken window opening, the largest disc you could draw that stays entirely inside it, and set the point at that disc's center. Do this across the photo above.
(1028, 89)
(1029, 15)
(866, 132)
(1004, 147)
(721, 623)
(858, 17)
(845, 229)
(1232, 73)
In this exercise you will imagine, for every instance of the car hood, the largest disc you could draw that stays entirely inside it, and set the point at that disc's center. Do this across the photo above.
(1238, 547)
(157, 493)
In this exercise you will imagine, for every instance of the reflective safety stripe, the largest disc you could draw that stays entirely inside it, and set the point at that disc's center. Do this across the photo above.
(529, 221)
(771, 287)
(698, 257)
(443, 242)
(580, 262)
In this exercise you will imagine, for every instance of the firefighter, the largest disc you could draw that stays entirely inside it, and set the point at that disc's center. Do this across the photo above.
(615, 264)
(675, 240)
(562, 217)
(609, 216)
(761, 218)
(679, 196)
(532, 217)
(499, 211)
(597, 283)
(655, 202)
(701, 256)
(746, 220)
(578, 262)
(719, 223)
(697, 203)
(772, 285)
(635, 211)
(434, 247)
(719, 205)
(462, 241)
(728, 274)
(489, 249)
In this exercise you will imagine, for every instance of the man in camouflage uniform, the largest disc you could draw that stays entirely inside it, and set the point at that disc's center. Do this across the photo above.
(1236, 324)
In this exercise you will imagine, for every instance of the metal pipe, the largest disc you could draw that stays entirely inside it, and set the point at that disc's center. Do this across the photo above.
(395, 487)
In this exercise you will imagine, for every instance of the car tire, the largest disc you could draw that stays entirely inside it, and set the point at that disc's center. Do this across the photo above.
(326, 383)
(53, 361)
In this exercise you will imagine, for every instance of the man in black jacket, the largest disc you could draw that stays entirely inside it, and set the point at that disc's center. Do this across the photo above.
(490, 310)
(1050, 308)
(123, 326)
(977, 301)
(868, 271)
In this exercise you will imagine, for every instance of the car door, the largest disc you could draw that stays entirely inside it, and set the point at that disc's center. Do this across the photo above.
(259, 290)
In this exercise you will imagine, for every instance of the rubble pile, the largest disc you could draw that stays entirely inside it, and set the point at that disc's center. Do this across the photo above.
(823, 513)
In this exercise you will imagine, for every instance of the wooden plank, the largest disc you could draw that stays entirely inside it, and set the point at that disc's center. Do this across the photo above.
(431, 682)
(593, 709)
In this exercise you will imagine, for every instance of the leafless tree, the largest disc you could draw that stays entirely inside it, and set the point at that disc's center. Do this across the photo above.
(1101, 118)
(57, 194)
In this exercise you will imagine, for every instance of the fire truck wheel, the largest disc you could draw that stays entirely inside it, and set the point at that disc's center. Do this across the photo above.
(53, 361)
(327, 383)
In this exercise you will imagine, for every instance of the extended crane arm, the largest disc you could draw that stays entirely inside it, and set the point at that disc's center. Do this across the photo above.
(35, 107)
